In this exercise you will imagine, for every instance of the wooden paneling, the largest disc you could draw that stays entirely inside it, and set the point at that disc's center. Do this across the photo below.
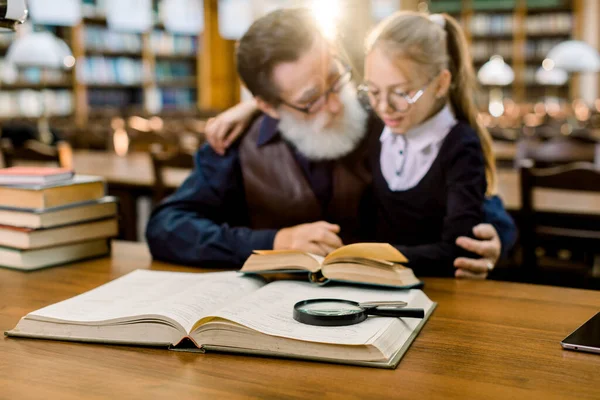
(219, 85)
(80, 91)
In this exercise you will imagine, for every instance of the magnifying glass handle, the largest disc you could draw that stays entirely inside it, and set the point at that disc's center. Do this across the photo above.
(372, 304)
(400, 313)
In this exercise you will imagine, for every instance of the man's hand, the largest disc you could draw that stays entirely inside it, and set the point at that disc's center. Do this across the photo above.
(318, 238)
(488, 247)
(222, 130)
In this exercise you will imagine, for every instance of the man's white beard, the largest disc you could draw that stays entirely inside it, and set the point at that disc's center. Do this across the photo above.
(333, 142)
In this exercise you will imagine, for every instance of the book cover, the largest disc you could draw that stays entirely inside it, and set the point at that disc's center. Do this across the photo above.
(62, 215)
(27, 238)
(33, 175)
(30, 260)
(79, 189)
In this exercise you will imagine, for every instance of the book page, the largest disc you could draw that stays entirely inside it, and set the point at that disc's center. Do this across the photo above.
(182, 296)
(315, 257)
(284, 260)
(377, 251)
(270, 311)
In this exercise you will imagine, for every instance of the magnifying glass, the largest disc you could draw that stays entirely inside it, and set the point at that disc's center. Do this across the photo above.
(336, 312)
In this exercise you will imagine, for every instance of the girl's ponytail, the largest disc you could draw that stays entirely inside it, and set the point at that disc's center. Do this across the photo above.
(462, 91)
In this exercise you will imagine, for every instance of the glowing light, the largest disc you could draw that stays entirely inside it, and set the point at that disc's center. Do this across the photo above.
(139, 123)
(531, 120)
(553, 107)
(484, 119)
(156, 124)
(69, 61)
(496, 108)
(327, 13)
(510, 108)
(582, 111)
(539, 109)
(548, 64)
(117, 123)
(121, 142)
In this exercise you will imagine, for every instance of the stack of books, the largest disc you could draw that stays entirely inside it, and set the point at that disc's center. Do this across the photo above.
(49, 216)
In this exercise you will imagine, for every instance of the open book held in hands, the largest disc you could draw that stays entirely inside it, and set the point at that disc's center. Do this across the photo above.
(363, 263)
(227, 311)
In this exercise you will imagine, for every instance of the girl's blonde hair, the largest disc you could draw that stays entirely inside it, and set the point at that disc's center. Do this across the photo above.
(434, 48)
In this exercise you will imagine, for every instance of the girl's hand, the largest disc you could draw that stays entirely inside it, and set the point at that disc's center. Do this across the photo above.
(222, 130)
(488, 247)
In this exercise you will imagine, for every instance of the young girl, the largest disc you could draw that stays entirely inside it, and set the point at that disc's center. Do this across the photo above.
(433, 162)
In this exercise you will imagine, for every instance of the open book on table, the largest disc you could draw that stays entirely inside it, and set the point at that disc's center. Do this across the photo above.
(364, 263)
(226, 311)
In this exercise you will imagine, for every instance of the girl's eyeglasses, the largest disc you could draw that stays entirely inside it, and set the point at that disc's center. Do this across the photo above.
(315, 106)
(396, 100)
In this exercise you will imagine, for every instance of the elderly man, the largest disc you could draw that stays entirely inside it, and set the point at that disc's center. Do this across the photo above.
(298, 178)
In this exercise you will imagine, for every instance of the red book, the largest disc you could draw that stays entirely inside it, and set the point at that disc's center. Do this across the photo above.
(16, 228)
(33, 175)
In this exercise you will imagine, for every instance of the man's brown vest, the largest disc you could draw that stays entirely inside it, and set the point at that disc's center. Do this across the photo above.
(279, 195)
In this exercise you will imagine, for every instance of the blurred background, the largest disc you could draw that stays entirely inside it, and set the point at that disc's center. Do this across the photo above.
(173, 59)
(121, 88)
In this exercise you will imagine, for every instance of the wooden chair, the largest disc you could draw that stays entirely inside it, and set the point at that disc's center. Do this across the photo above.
(162, 161)
(143, 141)
(557, 151)
(97, 135)
(577, 234)
(36, 152)
(504, 134)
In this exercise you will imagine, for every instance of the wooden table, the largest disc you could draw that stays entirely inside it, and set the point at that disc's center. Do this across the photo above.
(134, 171)
(128, 178)
(504, 151)
(491, 340)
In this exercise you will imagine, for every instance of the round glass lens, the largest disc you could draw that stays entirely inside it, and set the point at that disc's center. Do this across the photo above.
(330, 308)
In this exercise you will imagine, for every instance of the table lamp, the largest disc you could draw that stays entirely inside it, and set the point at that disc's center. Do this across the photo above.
(551, 78)
(574, 56)
(496, 73)
(12, 13)
(45, 51)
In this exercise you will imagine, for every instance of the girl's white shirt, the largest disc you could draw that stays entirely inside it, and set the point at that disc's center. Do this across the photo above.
(406, 158)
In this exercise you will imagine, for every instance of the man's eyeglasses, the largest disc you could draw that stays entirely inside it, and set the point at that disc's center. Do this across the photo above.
(396, 100)
(314, 106)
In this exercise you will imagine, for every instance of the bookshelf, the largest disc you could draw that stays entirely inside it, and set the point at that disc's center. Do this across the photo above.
(22, 90)
(114, 71)
(546, 26)
(133, 71)
(521, 31)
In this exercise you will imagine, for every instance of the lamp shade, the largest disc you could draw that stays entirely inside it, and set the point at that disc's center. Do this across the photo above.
(132, 16)
(496, 72)
(42, 50)
(12, 13)
(55, 12)
(235, 17)
(575, 56)
(183, 16)
(553, 77)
